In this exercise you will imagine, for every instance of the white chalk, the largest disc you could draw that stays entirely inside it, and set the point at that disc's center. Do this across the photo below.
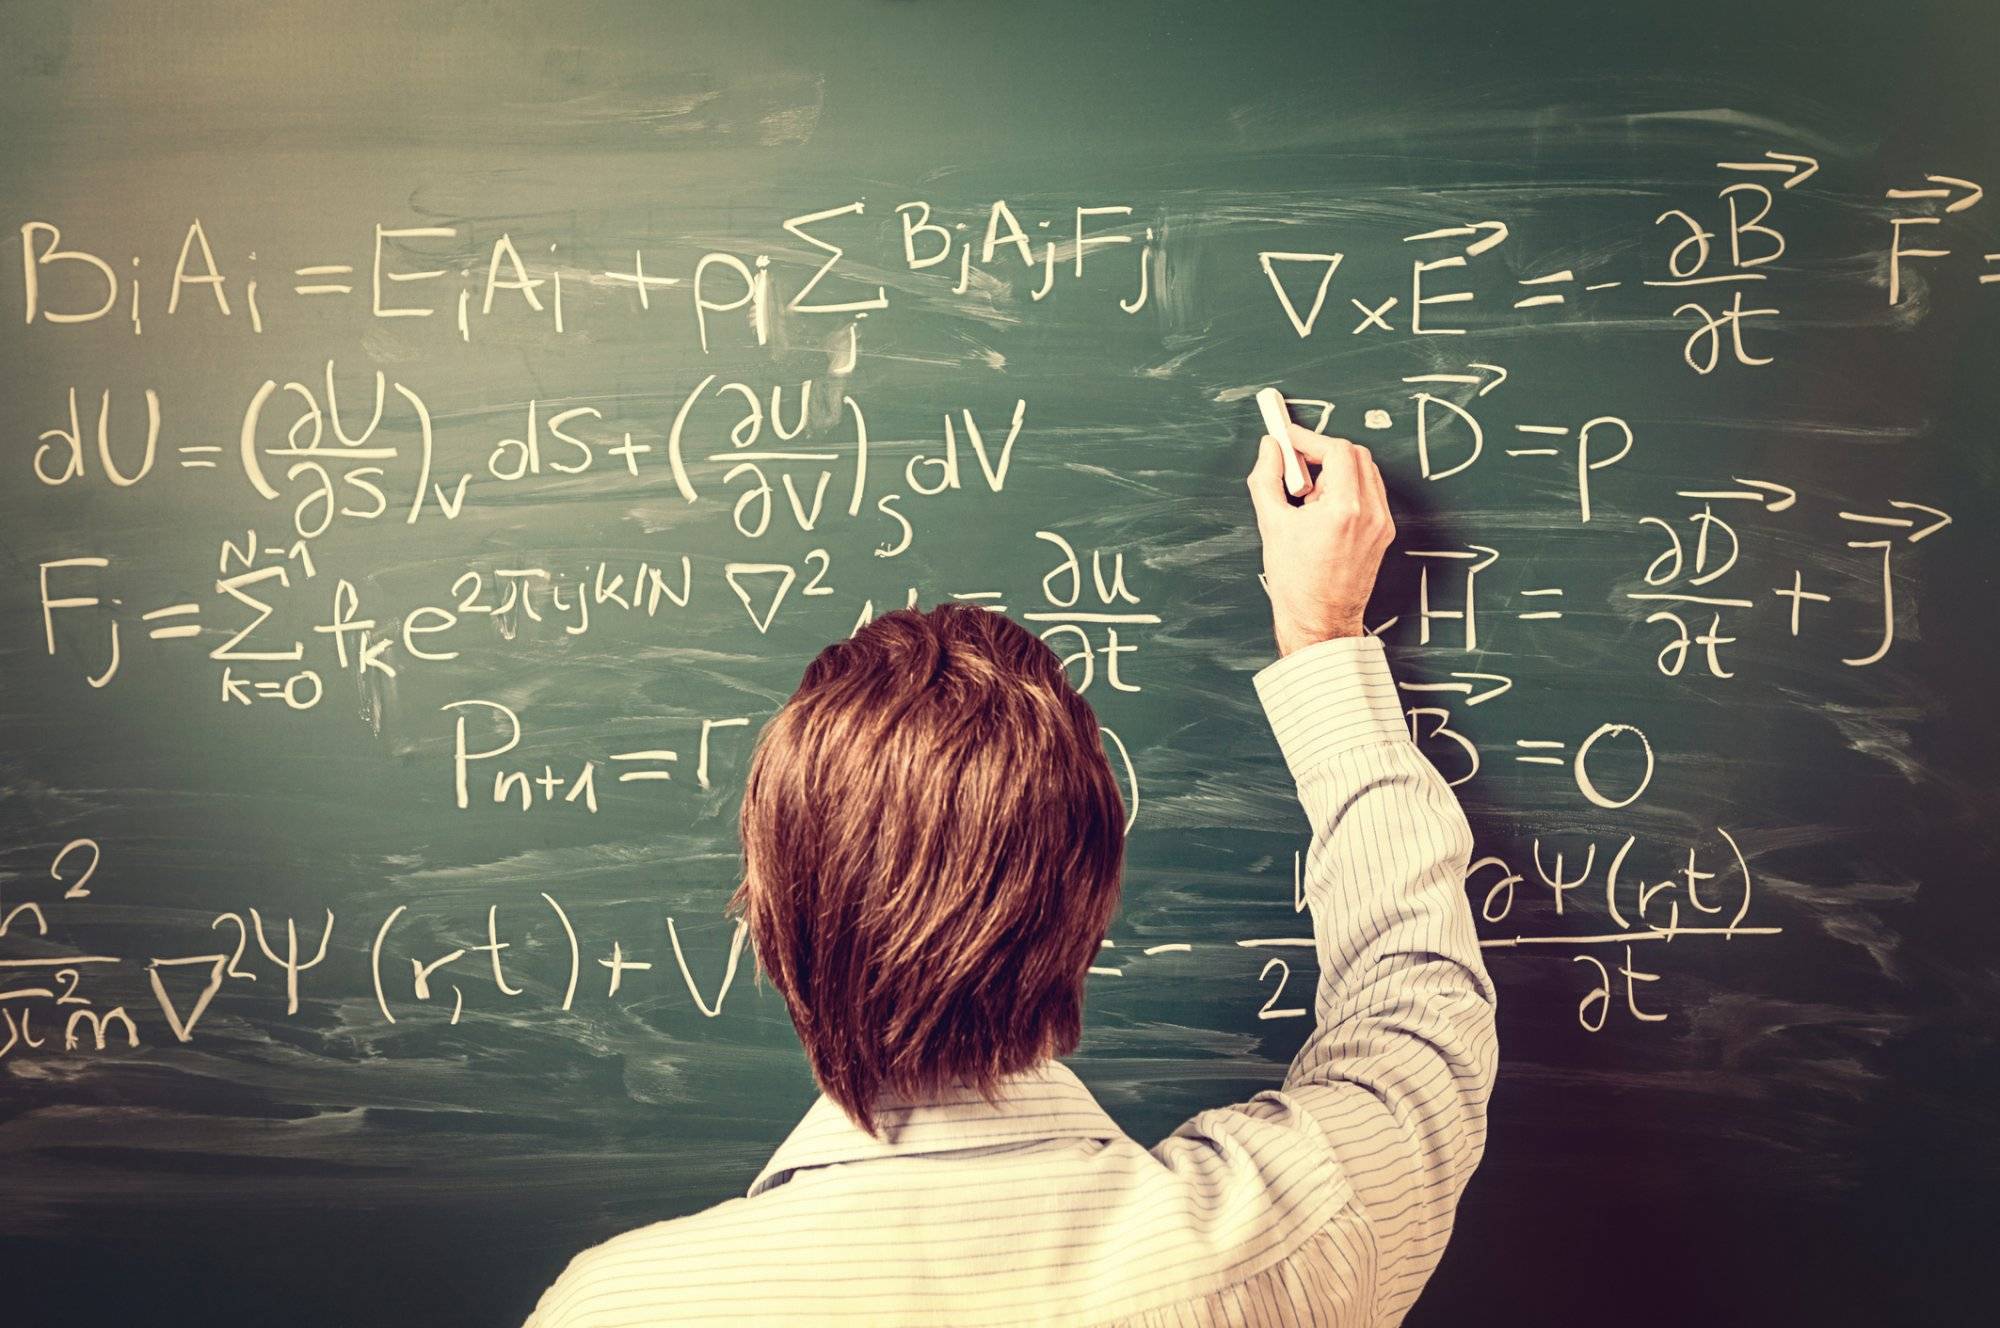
(1277, 423)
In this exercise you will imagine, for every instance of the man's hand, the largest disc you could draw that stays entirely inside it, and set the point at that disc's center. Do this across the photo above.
(1320, 558)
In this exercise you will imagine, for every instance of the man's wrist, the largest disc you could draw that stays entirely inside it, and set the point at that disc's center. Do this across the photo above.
(1291, 639)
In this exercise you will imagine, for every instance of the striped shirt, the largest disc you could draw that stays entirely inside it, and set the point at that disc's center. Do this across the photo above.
(1325, 1201)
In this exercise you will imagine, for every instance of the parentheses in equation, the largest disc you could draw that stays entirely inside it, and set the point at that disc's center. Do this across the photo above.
(575, 958)
(1131, 772)
(252, 468)
(375, 960)
(424, 437)
(681, 480)
(1611, 882)
(860, 454)
(1744, 908)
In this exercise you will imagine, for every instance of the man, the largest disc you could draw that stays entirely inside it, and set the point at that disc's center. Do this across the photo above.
(932, 840)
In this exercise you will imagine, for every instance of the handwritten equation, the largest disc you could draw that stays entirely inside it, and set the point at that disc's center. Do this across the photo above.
(338, 446)
(60, 992)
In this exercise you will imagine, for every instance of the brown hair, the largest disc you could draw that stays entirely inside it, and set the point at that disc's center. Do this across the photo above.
(932, 843)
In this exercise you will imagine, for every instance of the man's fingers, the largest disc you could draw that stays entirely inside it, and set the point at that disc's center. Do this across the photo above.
(1267, 478)
(1347, 473)
(1316, 447)
(1377, 497)
(1373, 496)
(1337, 482)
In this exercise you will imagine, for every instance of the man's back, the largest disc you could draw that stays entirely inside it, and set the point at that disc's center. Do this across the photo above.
(1072, 1222)
(1327, 1201)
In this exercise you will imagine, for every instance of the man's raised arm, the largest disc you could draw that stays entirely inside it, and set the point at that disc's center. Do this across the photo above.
(1400, 1063)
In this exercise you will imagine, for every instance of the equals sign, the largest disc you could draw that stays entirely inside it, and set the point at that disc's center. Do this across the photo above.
(1548, 430)
(326, 287)
(981, 594)
(1540, 613)
(1534, 744)
(199, 452)
(658, 755)
(174, 631)
(1531, 301)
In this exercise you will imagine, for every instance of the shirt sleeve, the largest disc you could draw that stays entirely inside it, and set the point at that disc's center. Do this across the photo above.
(1400, 1063)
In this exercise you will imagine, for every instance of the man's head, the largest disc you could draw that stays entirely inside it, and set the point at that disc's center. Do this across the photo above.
(932, 843)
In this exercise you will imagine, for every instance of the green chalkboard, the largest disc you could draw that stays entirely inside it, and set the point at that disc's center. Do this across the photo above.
(437, 436)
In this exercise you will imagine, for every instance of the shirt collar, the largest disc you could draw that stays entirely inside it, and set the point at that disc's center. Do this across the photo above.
(1044, 1102)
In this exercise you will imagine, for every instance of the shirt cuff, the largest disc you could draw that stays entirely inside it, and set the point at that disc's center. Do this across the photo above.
(1330, 697)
